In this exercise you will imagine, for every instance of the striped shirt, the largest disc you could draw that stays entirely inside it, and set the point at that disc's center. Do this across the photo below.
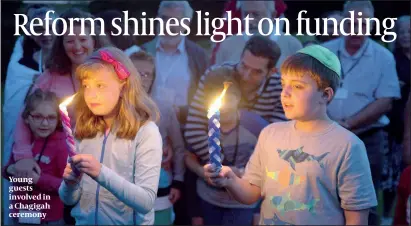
(266, 103)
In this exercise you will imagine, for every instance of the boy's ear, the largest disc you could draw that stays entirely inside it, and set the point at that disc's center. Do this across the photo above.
(26, 120)
(328, 95)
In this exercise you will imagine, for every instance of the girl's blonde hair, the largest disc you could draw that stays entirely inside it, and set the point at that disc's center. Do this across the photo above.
(135, 107)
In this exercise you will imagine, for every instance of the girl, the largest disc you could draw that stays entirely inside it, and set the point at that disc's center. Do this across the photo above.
(49, 148)
(120, 146)
(66, 54)
(171, 181)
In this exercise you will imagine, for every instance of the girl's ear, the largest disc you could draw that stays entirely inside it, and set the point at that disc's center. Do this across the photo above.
(26, 120)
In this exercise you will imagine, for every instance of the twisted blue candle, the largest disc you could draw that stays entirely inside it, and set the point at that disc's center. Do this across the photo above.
(214, 147)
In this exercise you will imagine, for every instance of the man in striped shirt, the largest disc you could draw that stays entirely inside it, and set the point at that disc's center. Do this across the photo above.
(260, 88)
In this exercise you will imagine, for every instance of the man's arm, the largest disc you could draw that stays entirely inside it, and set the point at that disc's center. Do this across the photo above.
(388, 89)
(192, 163)
(359, 217)
(370, 114)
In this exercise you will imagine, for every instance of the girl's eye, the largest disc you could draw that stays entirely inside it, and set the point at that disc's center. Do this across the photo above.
(100, 86)
(83, 39)
(85, 86)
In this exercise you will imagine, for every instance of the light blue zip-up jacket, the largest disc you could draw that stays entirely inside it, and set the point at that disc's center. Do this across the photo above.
(112, 198)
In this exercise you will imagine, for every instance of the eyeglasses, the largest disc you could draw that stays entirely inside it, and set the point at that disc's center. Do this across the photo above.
(40, 118)
(146, 75)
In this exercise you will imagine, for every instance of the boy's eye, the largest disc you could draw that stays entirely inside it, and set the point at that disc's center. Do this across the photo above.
(85, 86)
(100, 86)
(298, 86)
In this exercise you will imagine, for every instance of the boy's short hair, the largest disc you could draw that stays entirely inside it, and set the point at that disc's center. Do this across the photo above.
(214, 84)
(301, 64)
(264, 47)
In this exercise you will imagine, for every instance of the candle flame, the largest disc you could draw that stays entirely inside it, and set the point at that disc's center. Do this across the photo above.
(217, 104)
(63, 105)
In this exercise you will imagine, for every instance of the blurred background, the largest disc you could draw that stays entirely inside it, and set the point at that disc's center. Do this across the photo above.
(314, 9)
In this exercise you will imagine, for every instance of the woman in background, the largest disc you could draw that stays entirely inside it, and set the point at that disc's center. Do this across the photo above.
(393, 159)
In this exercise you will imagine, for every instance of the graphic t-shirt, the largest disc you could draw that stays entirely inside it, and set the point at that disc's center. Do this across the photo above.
(310, 178)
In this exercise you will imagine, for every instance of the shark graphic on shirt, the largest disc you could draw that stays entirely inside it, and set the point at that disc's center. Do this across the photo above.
(284, 204)
(275, 221)
(298, 155)
(285, 177)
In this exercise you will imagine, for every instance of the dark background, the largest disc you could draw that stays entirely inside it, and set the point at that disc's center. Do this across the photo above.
(383, 9)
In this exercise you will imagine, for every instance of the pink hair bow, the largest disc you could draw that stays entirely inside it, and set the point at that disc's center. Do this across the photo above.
(120, 69)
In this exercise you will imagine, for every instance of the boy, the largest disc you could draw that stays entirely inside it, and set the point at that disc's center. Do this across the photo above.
(237, 143)
(309, 170)
(170, 182)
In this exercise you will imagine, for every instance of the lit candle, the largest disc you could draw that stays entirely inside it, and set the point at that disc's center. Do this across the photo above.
(214, 146)
(65, 119)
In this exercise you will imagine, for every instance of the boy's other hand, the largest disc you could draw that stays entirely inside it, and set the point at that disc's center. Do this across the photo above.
(24, 168)
(70, 178)
(175, 195)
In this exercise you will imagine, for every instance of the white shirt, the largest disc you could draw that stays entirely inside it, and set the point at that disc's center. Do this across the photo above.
(173, 75)
(368, 75)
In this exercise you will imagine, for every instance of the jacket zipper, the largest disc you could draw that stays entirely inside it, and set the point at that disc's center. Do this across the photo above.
(98, 185)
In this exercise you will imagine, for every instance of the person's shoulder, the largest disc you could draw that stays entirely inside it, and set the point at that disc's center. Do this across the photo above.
(291, 40)
(149, 46)
(333, 45)
(277, 126)
(381, 52)
(216, 68)
(196, 47)
(232, 40)
(347, 137)
(148, 127)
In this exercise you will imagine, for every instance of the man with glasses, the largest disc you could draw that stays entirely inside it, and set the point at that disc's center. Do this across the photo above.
(179, 61)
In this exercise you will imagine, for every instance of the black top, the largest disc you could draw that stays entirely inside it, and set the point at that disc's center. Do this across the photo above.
(29, 62)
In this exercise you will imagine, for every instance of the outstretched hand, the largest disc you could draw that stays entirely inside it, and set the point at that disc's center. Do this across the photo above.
(221, 178)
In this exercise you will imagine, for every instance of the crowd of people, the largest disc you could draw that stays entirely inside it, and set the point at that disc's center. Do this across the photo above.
(310, 132)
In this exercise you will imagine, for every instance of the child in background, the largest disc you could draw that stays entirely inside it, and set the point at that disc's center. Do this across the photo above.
(237, 143)
(120, 147)
(309, 170)
(41, 114)
(172, 175)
